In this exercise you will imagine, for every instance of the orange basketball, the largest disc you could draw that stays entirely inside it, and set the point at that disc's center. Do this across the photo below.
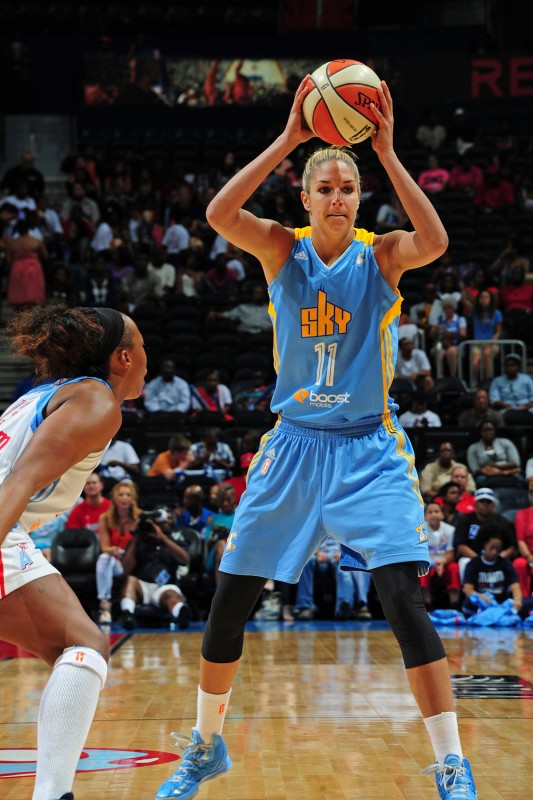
(337, 108)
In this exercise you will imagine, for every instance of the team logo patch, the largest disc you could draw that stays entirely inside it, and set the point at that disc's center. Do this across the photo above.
(301, 395)
(230, 544)
(18, 763)
(271, 453)
(266, 463)
(301, 256)
(25, 560)
(422, 533)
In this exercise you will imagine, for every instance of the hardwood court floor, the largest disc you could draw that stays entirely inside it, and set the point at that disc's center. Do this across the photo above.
(320, 711)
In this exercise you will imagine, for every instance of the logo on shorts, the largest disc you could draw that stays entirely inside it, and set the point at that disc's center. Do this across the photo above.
(25, 560)
(230, 544)
(266, 463)
(301, 395)
(422, 534)
(271, 453)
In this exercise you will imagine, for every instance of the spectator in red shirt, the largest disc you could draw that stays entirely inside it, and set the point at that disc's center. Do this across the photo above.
(495, 193)
(239, 481)
(87, 513)
(517, 293)
(523, 564)
(435, 178)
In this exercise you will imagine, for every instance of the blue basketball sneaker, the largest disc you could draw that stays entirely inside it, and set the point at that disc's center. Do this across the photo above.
(200, 762)
(454, 779)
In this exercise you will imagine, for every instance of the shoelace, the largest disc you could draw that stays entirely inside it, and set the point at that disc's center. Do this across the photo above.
(453, 779)
(193, 752)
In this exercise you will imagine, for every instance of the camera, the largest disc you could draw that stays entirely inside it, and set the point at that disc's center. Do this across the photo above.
(158, 515)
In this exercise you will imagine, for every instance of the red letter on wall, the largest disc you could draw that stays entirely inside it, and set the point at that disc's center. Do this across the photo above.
(486, 71)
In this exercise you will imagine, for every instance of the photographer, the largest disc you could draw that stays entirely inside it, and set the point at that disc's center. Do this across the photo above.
(151, 561)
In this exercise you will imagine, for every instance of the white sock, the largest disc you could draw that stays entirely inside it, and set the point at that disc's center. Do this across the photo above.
(444, 734)
(176, 609)
(127, 604)
(211, 713)
(65, 716)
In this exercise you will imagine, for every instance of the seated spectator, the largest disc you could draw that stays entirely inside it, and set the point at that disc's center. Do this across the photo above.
(151, 562)
(495, 193)
(190, 277)
(419, 415)
(478, 282)
(100, 289)
(256, 396)
(24, 172)
(462, 476)
(448, 333)
(120, 461)
(492, 455)
(468, 526)
(348, 585)
(486, 321)
(175, 242)
(529, 472)
(512, 392)
(212, 396)
(219, 278)
(160, 268)
(139, 286)
(443, 567)
(430, 134)
(434, 179)
(218, 531)
(512, 255)
(167, 393)
(448, 287)
(87, 513)
(78, 198)
(412, 363)
(193, 513)
(239, 481)
(420, 312)
(480, 412)
(523, 523)
(436, 473)
(516, 299)
(391, 215)
(173, 463)
(491, 572)
(466, 175)
(213, 455)
(43, 536)
(448, 498)
(249, 317)
(115, 528)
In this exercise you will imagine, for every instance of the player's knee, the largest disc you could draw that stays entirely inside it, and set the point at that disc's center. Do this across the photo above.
(84, 658)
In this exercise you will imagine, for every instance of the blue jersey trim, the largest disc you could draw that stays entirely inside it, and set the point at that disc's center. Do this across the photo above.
(45, 399)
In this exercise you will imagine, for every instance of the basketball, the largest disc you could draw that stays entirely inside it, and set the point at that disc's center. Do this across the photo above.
(337, 108)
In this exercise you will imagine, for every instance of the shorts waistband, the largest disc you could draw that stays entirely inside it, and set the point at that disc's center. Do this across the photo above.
(346, 430)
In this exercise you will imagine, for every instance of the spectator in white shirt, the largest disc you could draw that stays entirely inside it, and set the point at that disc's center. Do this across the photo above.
(167, 392)
(250, 317)
(412, 363)
(419, 416)
(176, 239)
(120, 461)
(160, 268)
(21, 199)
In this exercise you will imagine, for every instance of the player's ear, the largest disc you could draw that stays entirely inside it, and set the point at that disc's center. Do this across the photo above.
(305, 201)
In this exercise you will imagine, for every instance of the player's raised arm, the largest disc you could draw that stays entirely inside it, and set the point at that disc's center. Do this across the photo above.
(266, 239)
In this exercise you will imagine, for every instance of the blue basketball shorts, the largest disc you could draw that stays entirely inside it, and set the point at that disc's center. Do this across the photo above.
(358, 484)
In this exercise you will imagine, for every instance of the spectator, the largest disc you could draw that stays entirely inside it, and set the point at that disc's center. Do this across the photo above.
(256, 396)
(517, 305)
(523, 523)
(436, 473)
(430, 134)
(172, 463)
(512, 255)
(239, 481)
(529, 472)
(462, 131)
(468, 526)
(486, 322)
(43, 536)
(495, 193)
(120, 461)
(78, 198)
(211, 454)
(21, 199)
(434, 179)
(25, 255)
(25, 172)
(490, 576)
(193, 513)
(100, 288)
(412, 363)
(151, 561)
(250, 317)
(492, 455)
(419, 416)
(219, 279)
(145, 72)
(448, 498)
(87, 513)
(218, 530)
(139, 286)
(391, 215)
(512, 392)
(176, 242)
(115, 528)
(443, 567)
(50, 226)
(190, 277)
(478, 283)
(480, 412)
(168, 392)
(212, 396)
(60, 286)
(466, 175)
(420, 312)
(462, 476)
(160, 267)
(448, 333)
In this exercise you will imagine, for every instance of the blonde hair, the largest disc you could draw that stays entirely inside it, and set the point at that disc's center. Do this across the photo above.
(134, 511)
(332, 153)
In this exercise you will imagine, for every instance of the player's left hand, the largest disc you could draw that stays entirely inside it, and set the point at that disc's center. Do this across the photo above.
(382, 138)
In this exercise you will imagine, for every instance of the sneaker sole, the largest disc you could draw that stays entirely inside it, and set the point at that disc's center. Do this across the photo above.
(224, 768)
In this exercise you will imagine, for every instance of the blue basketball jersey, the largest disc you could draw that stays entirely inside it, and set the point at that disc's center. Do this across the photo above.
(335, 335)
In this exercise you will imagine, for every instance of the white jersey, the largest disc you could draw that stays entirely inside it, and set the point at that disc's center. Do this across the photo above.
(17, 425)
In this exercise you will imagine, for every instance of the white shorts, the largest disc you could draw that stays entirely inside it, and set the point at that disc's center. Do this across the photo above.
(21, 562)
(152, 592)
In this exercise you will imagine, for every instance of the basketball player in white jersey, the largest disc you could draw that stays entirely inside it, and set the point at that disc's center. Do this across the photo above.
(337, 462)
(87, 362)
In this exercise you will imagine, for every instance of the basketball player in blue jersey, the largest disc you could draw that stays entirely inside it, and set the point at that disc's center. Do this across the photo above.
(337, 462)
(87, 362)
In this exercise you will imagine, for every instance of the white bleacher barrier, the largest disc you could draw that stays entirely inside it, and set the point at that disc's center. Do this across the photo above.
(502, 347)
